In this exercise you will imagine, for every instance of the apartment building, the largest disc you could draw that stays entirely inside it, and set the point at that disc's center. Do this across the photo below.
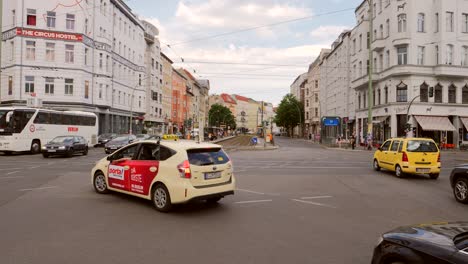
(297, 88)
(180, 104)
(418, 50)
(167, 92)
(88, 56)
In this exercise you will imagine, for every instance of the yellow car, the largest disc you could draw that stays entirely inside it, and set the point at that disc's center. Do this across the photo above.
(166, 172)
(409, 156)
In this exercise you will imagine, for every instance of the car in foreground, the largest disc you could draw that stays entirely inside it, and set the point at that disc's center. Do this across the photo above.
(459, 183)
(65, 146)
(104, 138)
(166, 172)
(426, 243)
(118, 143)
(409, 156)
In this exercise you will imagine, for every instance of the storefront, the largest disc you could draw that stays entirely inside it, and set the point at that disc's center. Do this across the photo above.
(439, 128)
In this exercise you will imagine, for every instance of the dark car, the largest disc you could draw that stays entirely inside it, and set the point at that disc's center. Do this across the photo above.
(426, 243)
(459, 183)
(65, 146)
(118, 142)
(104, 138)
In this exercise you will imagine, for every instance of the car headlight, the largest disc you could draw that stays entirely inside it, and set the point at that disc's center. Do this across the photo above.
(62, 147)
(44, 147)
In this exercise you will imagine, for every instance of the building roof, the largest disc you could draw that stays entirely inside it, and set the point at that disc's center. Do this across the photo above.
(241, 98)
(167, 58)
(228, 99)
(189, 74)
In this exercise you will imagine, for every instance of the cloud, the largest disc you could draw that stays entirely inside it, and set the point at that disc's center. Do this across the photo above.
(327, 33)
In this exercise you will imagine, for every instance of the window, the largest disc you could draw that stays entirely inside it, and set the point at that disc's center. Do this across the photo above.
(386, 95)
(360, 42)
(139, 79)
(307, 103)
(368, 40)
(402, 55)
(360, 68)
(379, 99)
(10, 85)
(316, 97)
(12, 50)
(359, 101)
(364, 101)
(420, 55)
(127, 152)
(139, 101)
(437, 54)
(30, 50)
(374, 10)
(388, 27)
(100, 60)
(465, 23)
(70, 22)
(421, 27)
(50, 51)
(402, 93)
(395, 145)
(86, 26)
(29, 84)
(69, 53)
(354, 45)
(464, 56)
(380, 5)
(438, 93)
(100, 91)
(449, 21)
(375, 35)
(402, 23)
(387, 59)
(381, 32)
(386, 145)
(381, 62)
(86, 91)
(465, 94)
(50, 19)
(108, 63)
(423, 92)
(31, 17)
(375, 65)
(13, 17)
(69, 86)
(316, 84)
(449, 59)
(86, 54)
(49, 85)
(437, 22)
(452, 94)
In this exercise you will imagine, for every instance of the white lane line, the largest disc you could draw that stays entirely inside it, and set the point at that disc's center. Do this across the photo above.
(254, 201)
(318, 204)
(40, 188)
(248, 191)
(11, 169)
(35, 167)
(316, 197)
(11, 177)
(12, 172)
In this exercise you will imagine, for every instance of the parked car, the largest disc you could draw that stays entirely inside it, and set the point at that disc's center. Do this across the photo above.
(141, 137)
(426, 243)
(459, 183)
(118, 143)
(104, 138)
(65, 146)
(167, 172)
(409, 156)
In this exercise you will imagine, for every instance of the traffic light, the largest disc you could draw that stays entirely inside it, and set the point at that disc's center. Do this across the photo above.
(431, 92)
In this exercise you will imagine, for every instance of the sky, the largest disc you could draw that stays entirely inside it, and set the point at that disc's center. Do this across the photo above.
(193, 35)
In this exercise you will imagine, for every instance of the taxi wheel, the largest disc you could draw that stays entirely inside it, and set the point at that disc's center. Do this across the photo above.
(161, 198)
(213, 200)
(100, 184)
(399, 172)
(376, 165)
(434, 176)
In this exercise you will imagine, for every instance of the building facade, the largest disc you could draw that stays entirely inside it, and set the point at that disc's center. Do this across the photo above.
(418, 51)
(88, 57)
(180, 104)
(297, 89)
(167, 93)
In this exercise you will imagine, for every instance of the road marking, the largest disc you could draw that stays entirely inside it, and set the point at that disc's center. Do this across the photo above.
(318, 204)
(11, 168)
(35, 167)
(254, 201)
(243, 190)
(12, 172)
(40, 188)
(316, 197)
(11, 177)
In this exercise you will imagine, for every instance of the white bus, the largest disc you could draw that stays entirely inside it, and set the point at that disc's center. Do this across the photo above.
(27, 129)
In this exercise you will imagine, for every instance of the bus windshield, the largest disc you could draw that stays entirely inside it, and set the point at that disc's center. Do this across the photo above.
(3, 119)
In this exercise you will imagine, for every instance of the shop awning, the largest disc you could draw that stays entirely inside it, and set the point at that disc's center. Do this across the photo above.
(435, 123)
(380, 119)
(464, 121)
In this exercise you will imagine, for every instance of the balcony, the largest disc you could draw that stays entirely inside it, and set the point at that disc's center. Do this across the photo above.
(450, 71)
(379, 44)
(150, 39)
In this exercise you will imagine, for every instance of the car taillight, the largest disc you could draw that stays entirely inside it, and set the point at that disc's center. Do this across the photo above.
(405, 157)
(438, 158)
(184, 170)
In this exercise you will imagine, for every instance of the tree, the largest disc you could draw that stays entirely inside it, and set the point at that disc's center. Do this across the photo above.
(221, 115)
(290, 113)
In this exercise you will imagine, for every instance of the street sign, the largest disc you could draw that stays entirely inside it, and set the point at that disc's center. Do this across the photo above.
(331, 121)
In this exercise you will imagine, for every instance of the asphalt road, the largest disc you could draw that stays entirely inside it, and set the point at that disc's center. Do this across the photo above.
(298, 204)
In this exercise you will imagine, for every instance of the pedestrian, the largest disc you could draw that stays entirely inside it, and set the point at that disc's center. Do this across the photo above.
(353, 142)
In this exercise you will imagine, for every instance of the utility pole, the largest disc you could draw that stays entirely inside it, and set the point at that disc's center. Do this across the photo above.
(370, 69)
(1, 40)
(263, 129)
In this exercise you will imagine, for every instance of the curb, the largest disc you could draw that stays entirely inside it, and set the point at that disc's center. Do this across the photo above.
(222, 139)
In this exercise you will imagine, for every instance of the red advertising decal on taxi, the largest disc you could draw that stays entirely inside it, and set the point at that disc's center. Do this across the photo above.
(72, 129)
(116, 172)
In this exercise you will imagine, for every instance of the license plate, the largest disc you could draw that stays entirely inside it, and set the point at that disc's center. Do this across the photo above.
(212, 175)
(52, 150)
(423, 170)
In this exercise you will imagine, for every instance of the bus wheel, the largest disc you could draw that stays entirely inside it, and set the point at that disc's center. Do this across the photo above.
(35, 146)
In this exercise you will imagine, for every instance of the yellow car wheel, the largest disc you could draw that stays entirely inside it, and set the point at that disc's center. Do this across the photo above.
(376, 165)
(399, 172)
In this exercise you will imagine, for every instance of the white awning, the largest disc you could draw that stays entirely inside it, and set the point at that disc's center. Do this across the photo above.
(380, 119)
(464, 121)
(435, 123)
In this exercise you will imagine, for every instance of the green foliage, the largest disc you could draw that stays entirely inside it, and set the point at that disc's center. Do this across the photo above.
(221, 115)
(290, 112)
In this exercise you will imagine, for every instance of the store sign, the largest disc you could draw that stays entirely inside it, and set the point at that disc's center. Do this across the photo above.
(48, 34)
(331, 121)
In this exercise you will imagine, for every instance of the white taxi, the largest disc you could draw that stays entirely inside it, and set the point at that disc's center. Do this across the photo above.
(166, 172)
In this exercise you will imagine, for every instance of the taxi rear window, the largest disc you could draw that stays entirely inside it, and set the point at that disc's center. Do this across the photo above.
(205, 157)
(421, 146)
